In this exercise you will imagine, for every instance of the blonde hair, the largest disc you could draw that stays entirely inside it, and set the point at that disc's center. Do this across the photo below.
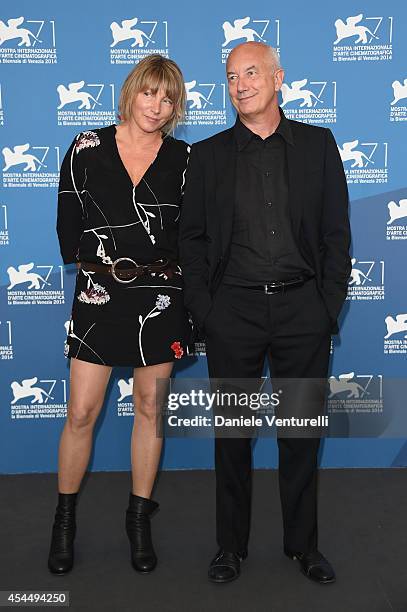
(155, 72)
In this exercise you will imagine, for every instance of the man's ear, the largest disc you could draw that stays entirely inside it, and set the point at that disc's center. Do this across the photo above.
(278, 79)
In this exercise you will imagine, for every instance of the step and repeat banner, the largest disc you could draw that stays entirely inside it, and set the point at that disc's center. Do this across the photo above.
(61, 70)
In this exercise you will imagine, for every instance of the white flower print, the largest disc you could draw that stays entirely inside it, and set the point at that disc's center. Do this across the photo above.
(94, 292)
(101, 249)
(86, 139)
(139, 208)
(162, 302)
(141, 211)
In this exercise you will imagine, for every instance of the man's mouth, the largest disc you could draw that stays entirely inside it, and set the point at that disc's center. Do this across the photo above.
(246, 97)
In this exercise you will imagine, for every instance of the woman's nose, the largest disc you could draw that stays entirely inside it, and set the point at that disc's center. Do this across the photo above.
(156, 106)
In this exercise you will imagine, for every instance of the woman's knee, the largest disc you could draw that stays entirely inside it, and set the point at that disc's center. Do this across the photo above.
(81, 417)
(146, 406)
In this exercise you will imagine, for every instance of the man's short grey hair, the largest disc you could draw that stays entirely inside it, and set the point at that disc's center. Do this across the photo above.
(274, 57)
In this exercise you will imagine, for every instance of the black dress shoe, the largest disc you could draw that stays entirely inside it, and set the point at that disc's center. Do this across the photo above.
(313, 565)
(225, 567)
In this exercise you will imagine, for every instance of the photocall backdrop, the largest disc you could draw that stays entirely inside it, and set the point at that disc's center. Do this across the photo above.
(62, 67)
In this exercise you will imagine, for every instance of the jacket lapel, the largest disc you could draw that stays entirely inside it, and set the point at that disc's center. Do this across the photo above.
(225, 162)
(296, 180)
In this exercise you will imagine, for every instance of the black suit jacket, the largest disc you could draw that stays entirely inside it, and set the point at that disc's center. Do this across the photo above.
(318, 205)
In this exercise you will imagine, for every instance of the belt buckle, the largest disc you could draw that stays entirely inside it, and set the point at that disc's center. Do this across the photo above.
(113, 270)
(271, 289)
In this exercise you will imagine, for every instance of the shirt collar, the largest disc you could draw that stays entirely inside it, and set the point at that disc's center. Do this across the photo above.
(243, 135)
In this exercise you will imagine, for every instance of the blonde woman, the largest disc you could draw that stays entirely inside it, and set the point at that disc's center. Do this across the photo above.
(118, 209)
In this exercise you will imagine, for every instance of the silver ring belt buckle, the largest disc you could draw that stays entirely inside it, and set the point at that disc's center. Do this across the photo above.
(122, 280)
(273, 288)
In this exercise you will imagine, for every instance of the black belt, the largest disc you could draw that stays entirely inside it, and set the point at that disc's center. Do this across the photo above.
(277, 286)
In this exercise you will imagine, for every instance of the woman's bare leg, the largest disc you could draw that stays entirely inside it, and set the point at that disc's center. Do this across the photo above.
(145, 444)
(88, 382)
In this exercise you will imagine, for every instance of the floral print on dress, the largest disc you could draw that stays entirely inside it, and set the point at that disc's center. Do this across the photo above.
(94, 292)
(100, 252)
(178, 350)
(162, 302)
(85, 140)
(138, 206)
(72, 334)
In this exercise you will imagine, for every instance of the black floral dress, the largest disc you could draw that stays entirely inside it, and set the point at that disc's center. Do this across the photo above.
(102, 217)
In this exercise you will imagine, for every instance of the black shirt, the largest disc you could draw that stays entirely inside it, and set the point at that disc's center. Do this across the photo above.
(263, 248)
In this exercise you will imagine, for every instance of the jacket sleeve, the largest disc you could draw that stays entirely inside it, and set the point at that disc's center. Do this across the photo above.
(336, 264)
(71, 209)
(192, 241)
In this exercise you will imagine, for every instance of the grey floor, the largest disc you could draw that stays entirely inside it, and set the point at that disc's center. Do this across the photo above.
(362, 532)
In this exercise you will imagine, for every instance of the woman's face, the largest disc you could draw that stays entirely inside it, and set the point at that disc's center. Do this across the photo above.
(151, 111)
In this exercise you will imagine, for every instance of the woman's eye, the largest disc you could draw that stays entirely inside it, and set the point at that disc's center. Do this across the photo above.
(147, 93)
(168, 101)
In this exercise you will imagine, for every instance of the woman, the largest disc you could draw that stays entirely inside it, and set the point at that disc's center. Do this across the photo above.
(118, 208)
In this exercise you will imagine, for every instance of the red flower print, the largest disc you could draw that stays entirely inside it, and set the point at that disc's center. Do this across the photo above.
(178, 350)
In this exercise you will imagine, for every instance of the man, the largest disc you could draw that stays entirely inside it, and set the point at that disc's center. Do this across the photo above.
(264, 250)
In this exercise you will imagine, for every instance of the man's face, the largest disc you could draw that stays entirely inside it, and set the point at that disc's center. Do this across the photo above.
(253, 81)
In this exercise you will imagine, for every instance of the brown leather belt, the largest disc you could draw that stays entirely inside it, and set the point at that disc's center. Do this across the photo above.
(127, 275)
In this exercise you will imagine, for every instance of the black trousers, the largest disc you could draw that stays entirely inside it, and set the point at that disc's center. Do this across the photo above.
(291, 329)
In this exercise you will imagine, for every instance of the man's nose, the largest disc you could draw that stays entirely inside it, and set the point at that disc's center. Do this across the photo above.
(241, 85)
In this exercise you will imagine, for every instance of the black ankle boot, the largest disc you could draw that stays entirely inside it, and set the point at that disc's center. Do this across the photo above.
(60, 558)
(143, 557)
